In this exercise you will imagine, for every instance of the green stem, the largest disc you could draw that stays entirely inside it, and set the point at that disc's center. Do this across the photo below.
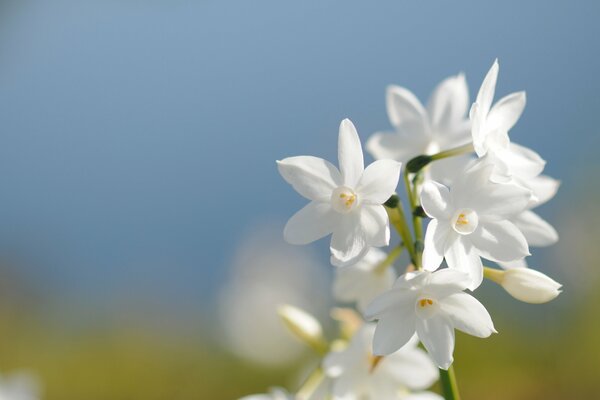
(389, 260)
(397, 219)
(310, 385)
(416, 220)
(449, 386)
(464, 149)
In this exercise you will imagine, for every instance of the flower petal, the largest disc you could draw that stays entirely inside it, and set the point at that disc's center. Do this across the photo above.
(411, 368)
(390, 301)
(506, 112)
(437, 335)
(375, 225)
(405, 110)
(394, 331)
(499, 241)
(485, 96)
(312, 177)
(348, 242)
(536, 230)
(522, 161)
(434, 244)
(449, 102)
(468, 315)
(544, 188)
(399, 146)
(447, 281)
(461, 256)
(350, 154)
(314, 221)
(379, 181)
(436, 200)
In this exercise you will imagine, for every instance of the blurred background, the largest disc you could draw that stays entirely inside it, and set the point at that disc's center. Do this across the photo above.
(141, 211)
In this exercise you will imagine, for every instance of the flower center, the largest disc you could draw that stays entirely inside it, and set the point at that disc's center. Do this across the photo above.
(426, 307)
(465, 221)
(343, 199)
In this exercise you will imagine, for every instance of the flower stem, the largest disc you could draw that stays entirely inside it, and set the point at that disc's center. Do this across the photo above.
(464, 149)
(389, 260)
(449, 386)
(411, 191)
(310, 385)
(397, 219)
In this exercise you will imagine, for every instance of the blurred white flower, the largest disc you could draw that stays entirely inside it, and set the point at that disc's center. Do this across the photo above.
(19, 386)
(266, 273)
(357, 375)
(442, 125)
(346, 202)
(432, 305)
(489, 130)
(472, 220)
(274, 394)
(362, 282)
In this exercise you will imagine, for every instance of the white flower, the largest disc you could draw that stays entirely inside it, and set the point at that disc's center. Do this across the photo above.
(19, 386)
(274, 394)
(526, 284)
(433, 305)
(357, 375)
(303, 325)
(490, 126)
(361, 282)
(419, 130)
(346, 202)
(471, 221)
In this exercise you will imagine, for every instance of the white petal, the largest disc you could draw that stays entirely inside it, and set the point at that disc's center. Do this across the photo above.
(405, 110)
(544, 188)
(375, 225)
(506, 112)
(485, 96)
(350, 154)
(523, 162)
(449, 102)
(468, 315)
(447, 281)
(499, 241)
(390, 301)
(378, 182)
(314, 221)
(536, 230)
(435, 243)
(312, 177)
(513, 264)
(437, 335)
(399, 146)
(436, 200)
(461, 256)
(411, 368)
(394, 331)
(348, 242)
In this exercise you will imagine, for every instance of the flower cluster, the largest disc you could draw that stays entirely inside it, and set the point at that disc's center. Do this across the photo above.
(477, 188)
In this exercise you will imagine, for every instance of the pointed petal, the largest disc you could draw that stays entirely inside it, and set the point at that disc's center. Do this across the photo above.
(437, 335)
(312, 177)
(468, 315)
(544, 188)
(513, 264)
(461, 256)
(314, 221)
(348, 242)
(485, 96)
(379, 181)
(499, 241)
(447, 281)
(436, 200)
(411, 368)
(522, 162)
(536, 230)
(390, 301)
(350, 154)
(449, 102)
(506, 112)
(375, 225)
(405, 110)
(434, 244)
(394, 331)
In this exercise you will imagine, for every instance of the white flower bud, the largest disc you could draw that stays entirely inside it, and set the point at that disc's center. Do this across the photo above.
(304, 326)
(529, 285)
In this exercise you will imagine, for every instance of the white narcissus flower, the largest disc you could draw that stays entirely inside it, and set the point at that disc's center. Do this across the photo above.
(442, 125)
(347, 202)
(432, 305)
(472, 220)
(361, 282)
(357, 375)
(490, 126)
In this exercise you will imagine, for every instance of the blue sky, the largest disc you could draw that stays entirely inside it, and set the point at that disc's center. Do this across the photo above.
(138, 138)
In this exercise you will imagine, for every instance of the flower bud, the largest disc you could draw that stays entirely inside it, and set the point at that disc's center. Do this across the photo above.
(418, 163)
(304, 326)
(527, 284)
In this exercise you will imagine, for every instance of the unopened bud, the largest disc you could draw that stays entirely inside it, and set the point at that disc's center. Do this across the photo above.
(418, 163)
(304, 326)
(526, 284)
